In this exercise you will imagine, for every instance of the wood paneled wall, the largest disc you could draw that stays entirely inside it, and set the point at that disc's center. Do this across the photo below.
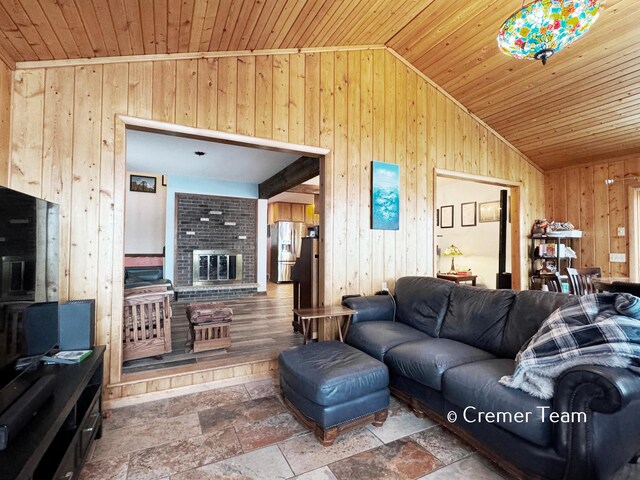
(581, 196)
(5, 120)
(362, 105)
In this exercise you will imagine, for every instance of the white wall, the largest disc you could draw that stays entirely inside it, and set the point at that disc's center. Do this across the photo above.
(208, 186)
(144, 224)
(479, 244)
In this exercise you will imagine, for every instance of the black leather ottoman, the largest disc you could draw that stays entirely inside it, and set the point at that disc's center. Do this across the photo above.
(332, 387)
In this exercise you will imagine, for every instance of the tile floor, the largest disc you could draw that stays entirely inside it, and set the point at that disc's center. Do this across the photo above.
(245, 432)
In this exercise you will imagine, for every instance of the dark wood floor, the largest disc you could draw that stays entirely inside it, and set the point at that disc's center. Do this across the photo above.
(260, 330)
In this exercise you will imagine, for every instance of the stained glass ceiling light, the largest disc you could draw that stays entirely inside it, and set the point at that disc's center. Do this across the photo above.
(543, 28)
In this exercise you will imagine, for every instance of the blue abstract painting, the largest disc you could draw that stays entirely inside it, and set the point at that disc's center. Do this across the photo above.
(385, 196)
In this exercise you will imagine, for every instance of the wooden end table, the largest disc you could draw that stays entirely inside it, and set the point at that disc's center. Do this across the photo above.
(459, 278)
(341, 314)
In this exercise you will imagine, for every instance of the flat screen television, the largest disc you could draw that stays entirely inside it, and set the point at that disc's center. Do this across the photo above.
(29, 259)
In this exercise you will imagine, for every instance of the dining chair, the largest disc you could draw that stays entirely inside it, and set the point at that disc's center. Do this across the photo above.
(550, 282)
(580, 280)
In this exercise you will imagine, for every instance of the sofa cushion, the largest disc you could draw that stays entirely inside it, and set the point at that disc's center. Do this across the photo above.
(475, 385)
(329, 373)
(422, 302)
(376, 338)
(530, 308)
(425, 361)
(477, 316)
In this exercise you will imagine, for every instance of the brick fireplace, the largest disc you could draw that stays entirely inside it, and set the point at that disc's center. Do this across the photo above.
(215, 246)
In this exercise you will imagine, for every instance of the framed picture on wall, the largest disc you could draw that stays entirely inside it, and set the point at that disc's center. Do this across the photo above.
(446, 216)
(468, 214)
(141, 183)
(489, 212)
(385, 196)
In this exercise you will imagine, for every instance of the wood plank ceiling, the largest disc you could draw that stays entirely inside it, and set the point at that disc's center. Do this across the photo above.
(583, 106)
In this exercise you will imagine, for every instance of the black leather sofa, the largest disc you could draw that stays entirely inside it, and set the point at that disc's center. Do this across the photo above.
(447, 346)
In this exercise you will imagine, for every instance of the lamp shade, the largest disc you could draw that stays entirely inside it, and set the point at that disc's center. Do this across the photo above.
(543, 28)
(452, 251)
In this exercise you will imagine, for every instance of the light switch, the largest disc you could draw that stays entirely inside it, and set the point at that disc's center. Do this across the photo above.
(621, 231)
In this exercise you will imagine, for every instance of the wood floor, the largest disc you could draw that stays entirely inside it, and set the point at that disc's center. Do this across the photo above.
(260, 330)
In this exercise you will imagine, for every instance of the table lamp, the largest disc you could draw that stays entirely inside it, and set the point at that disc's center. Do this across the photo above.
(452, 252)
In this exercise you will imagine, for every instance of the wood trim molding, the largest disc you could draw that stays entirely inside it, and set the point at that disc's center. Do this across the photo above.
(634, 232)
(77, 62)
(465, 109)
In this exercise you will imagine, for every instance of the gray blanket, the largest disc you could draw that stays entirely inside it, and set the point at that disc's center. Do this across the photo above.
(598, 329)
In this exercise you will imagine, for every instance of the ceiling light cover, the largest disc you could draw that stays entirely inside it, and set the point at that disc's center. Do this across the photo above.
(543, 28)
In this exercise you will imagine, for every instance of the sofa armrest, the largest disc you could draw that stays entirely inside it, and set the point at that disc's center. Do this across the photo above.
(605, 403)
(371, 308)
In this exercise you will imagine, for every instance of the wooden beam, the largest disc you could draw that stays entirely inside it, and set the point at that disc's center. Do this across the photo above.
(304, 188)
(294, 174)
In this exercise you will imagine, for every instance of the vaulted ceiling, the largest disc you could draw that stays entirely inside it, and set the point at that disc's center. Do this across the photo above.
(583, 106)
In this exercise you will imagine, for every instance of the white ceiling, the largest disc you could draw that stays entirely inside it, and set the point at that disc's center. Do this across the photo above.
(159, 153)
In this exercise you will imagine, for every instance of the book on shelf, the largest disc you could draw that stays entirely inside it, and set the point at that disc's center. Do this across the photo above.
(68, 356)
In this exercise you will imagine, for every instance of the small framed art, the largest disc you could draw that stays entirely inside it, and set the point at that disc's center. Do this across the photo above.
(446, 216)
(489, 212)
(468, 214)
(141, 183)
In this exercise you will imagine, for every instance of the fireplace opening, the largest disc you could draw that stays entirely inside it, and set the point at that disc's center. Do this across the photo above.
(215, 266)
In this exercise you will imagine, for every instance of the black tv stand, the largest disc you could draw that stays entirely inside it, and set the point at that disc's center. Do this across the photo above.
(54, 443)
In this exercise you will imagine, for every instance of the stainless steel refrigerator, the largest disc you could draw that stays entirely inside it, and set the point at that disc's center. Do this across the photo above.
(285, 248)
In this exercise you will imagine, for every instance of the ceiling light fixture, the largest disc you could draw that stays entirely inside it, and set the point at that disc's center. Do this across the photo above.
(542, 28)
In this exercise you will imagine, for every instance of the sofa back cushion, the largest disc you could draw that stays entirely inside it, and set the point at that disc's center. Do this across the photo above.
(422, 302)
(530, 308)
(477, 316)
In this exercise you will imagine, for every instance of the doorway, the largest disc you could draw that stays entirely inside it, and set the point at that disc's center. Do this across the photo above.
(261, 325)
(467, 213)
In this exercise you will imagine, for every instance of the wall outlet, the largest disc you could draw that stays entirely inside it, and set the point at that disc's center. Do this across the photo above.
(621, 231)
(385, 287)
(617, 258)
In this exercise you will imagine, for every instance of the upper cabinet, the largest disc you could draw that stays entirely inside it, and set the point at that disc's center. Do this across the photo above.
(292, 212)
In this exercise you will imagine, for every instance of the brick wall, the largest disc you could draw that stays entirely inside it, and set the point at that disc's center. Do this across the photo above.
(214, 234)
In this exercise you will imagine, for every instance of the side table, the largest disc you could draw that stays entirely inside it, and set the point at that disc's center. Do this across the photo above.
(342, 316)
(459, 278)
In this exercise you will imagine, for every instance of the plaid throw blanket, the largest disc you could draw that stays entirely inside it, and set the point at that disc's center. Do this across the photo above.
(598, 329)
